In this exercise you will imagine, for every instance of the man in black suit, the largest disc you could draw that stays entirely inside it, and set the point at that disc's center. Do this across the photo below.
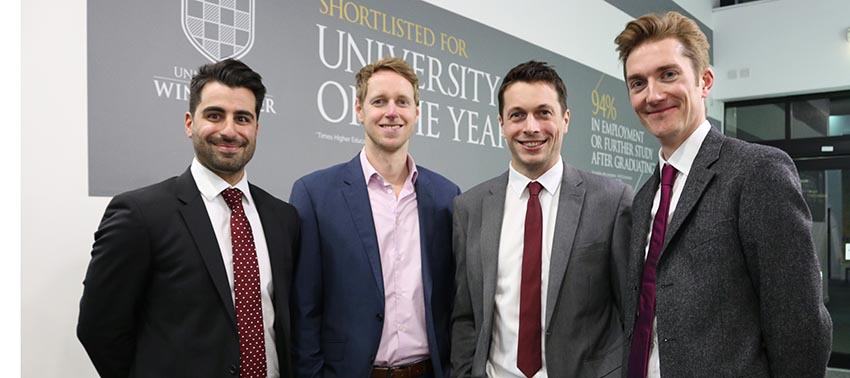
(159, 297)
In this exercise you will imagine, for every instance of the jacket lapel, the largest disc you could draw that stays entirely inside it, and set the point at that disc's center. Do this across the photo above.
(570, 203)
(426, 209)
(197, 220)
(698, 180)
(642, 217)
(275, 241)
(493, 210)
(357, 198)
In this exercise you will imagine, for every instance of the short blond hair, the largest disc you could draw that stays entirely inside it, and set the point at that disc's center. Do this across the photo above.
(396, 65)
(656, 27)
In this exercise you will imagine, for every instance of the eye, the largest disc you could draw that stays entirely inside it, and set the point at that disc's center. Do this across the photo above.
(636, 85)
(403, 102)
(378, 101)
(516, 116)
(243, 119)
(213, 116)
(669, 75)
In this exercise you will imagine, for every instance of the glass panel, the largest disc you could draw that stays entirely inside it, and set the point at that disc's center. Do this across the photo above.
(756, 122)
(838, 276)
(812, 183)
(839, 117)
(810, 118)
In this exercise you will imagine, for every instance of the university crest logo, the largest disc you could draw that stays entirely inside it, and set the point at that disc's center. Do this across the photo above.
(219, 29)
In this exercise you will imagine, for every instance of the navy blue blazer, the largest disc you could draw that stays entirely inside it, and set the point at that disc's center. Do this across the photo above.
(338, 290)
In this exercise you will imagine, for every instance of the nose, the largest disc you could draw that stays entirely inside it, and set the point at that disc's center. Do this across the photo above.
(531, 125)
(391, 110)
(228, 128)
(655, 92)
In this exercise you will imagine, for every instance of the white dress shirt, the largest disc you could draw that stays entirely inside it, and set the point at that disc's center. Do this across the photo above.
(211, 186)
(682, 159)
(502, 361)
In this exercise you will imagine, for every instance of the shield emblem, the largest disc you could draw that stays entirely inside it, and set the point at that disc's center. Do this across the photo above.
(219, 29)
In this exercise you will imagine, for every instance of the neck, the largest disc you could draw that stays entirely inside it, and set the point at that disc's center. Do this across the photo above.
(669, 146)
(392, 166)
(231, 177)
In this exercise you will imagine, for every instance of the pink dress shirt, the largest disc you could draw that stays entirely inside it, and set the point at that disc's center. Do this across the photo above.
(403, 339)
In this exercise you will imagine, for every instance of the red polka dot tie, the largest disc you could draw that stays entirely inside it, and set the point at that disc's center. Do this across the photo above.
(246, 284)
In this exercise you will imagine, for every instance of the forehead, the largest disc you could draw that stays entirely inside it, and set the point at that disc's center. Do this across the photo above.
(385, 82)
(652, 55)
(217, 94)
(530, 94)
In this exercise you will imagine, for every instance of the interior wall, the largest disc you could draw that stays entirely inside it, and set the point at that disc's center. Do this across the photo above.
(59, 218)
(781, 47)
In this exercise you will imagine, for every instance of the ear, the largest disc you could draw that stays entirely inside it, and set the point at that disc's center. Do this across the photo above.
(187, 124)
(706, 81)
(359, 109)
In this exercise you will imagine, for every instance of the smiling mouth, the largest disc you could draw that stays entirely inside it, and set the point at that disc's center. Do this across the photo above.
(659, 111)
(228, 147)
(391, 127)
(532, 143)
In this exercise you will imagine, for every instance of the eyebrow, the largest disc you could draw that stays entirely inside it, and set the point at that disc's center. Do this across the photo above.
(659, 69)
(221, 110)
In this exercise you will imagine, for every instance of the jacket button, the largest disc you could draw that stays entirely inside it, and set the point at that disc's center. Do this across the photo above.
(635, 288)
(233, 370)
(380, 317)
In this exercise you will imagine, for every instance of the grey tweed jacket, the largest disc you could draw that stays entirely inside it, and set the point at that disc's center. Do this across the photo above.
(738, 283)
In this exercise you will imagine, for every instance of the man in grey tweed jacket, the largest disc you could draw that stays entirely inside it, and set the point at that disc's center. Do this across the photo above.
(736, 288)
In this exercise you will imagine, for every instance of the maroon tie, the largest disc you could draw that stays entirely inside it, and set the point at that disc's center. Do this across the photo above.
(642, 335)
(246, 283)
(529, 359)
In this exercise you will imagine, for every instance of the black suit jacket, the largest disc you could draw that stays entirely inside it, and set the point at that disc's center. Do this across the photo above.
(157, 302)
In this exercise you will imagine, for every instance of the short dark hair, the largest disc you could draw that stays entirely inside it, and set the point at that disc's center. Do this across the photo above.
(230, 72)
(532, 72)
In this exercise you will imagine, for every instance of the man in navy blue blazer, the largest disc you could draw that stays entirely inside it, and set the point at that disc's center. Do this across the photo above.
(374, 276)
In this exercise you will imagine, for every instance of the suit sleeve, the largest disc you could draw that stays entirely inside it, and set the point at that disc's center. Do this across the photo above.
(775, 234)
(463, 322)
(620, 239)
(113, 289)
(307, 308)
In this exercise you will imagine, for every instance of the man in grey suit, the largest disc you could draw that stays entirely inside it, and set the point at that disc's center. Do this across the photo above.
(540, 250)
(723, 275)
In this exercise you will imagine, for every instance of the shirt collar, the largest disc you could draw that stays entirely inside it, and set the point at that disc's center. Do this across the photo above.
(210, 185)
(369, 171)
(551, 179)
(683, 158)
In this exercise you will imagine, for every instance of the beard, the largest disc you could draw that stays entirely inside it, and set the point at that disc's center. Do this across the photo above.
(221, 162)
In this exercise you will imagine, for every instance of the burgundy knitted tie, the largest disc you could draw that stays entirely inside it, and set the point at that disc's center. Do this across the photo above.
(246, 284)
(529, 357)
(642, 335)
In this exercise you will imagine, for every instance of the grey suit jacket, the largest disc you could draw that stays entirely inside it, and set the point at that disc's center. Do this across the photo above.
(738, 289)
(583, 329)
